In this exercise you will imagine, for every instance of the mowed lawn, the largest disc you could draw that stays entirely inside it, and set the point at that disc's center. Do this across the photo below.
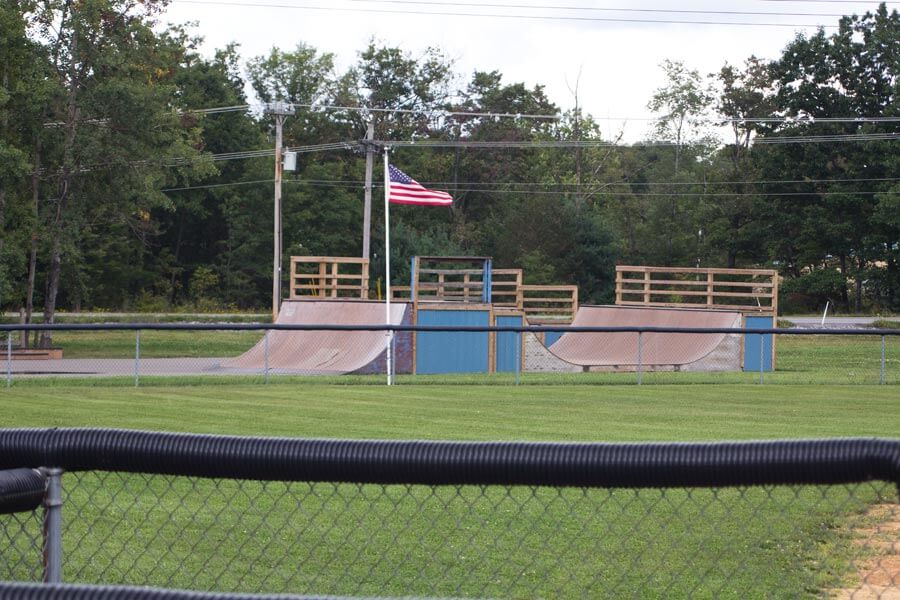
(465, 541)
(468, 412)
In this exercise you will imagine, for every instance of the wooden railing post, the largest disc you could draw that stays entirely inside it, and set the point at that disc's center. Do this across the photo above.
(619, 286)
(647, 287)
(334, 280)
(710, 286)
(322, 274)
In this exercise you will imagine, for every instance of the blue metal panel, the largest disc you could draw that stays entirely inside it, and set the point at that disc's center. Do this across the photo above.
(509, 345)
(551, 337)
(452, 351)
(752, 343)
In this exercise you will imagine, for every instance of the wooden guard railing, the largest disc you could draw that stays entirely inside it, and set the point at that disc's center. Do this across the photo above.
(451, 285)
(742, 290)
(400, 293)
(464, 285)
(549, 304)
(329, 277)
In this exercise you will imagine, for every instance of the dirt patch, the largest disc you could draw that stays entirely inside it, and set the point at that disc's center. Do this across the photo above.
(878, 572)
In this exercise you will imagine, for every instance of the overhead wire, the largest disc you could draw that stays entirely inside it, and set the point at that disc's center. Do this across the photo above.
(440, 112)
(489, 187)
(599, 8)
(239, 3)
(865, 137)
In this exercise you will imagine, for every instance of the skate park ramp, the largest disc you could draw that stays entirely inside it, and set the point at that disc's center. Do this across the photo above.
(312, 352)
(661, 351)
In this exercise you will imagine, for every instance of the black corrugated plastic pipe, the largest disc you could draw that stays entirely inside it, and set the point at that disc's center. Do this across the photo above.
(657, 465)
(33, 591)
(21, 490)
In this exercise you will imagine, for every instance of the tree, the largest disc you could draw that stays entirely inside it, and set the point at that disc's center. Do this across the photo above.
(683, 101)
(729, 215)
(849, 74)
(117, 130)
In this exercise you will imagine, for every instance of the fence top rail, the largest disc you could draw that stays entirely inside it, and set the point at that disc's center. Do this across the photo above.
(607, 465)
(563, 328)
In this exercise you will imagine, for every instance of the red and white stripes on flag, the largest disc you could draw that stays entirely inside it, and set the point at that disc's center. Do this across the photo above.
(406, 190)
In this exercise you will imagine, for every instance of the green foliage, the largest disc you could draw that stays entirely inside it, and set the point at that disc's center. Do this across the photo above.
(118, 219)
(885, 324)
(812, 290)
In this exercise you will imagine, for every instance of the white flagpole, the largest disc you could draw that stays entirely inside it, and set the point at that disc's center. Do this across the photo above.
(387, 264)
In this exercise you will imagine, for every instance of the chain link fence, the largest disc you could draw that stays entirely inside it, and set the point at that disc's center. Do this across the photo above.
(358, 353)
(462, 520)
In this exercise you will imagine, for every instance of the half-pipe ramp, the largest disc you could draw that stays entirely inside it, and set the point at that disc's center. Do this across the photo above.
(323, 352)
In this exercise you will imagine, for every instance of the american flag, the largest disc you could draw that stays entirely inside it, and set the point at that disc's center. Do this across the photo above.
(406, 190)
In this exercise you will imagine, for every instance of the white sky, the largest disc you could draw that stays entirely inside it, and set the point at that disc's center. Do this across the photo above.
(619, 62)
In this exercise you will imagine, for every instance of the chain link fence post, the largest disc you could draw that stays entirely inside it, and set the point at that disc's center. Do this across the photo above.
(883, 359)
(640, 358)
(9, 358)
(762, 356)
(393, 363)
(518, 356)
(52, 550)
(266, 356)
(137, 358)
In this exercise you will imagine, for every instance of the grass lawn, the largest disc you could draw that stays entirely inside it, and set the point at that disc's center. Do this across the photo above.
(470, 412)
(462, 540)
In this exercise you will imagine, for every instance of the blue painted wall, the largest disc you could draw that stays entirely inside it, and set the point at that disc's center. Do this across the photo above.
(452, 351)
(551, 337)
(752, 342)
(509, 345)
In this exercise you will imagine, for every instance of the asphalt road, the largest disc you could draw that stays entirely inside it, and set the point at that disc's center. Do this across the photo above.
(839, 321)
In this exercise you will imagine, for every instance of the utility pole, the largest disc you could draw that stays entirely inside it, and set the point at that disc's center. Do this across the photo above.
(367, 209)
(279, 110)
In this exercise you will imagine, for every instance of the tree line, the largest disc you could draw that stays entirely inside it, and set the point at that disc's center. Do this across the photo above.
(118, 190)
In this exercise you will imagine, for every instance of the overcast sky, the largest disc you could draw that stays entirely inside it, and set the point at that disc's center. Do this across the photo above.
(544, 42)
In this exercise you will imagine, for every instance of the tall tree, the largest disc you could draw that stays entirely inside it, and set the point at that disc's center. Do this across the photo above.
(116, 129)
(682, 102)
(851, 74)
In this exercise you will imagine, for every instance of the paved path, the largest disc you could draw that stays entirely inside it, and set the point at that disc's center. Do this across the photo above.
(142, 317)
(116, 366)
(838, 321)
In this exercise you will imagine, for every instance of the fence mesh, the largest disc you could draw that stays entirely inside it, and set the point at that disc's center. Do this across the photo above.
(468, 541)
(453, 356)
(21, 540)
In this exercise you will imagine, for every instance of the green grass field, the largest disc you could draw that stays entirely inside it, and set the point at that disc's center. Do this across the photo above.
(468, 540)
(470, 412)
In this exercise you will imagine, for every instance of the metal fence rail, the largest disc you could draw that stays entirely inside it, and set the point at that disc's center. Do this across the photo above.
(454, 519)
(148, 353)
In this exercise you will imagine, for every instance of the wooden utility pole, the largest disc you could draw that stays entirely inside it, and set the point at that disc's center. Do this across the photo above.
(279, 110)
(367, 209)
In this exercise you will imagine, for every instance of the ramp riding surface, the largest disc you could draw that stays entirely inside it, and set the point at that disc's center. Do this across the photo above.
(694, 351)
(321, 352)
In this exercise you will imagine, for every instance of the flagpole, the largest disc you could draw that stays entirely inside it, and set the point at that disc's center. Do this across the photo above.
(387, 264)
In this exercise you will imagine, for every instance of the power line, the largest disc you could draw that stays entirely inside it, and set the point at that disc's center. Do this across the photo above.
(499, 15)
(798, 120)
(476, 187)
(216, 185)
(363, 109)
(829, 1)
(601, 9)
(865, 137)
(439, 112)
